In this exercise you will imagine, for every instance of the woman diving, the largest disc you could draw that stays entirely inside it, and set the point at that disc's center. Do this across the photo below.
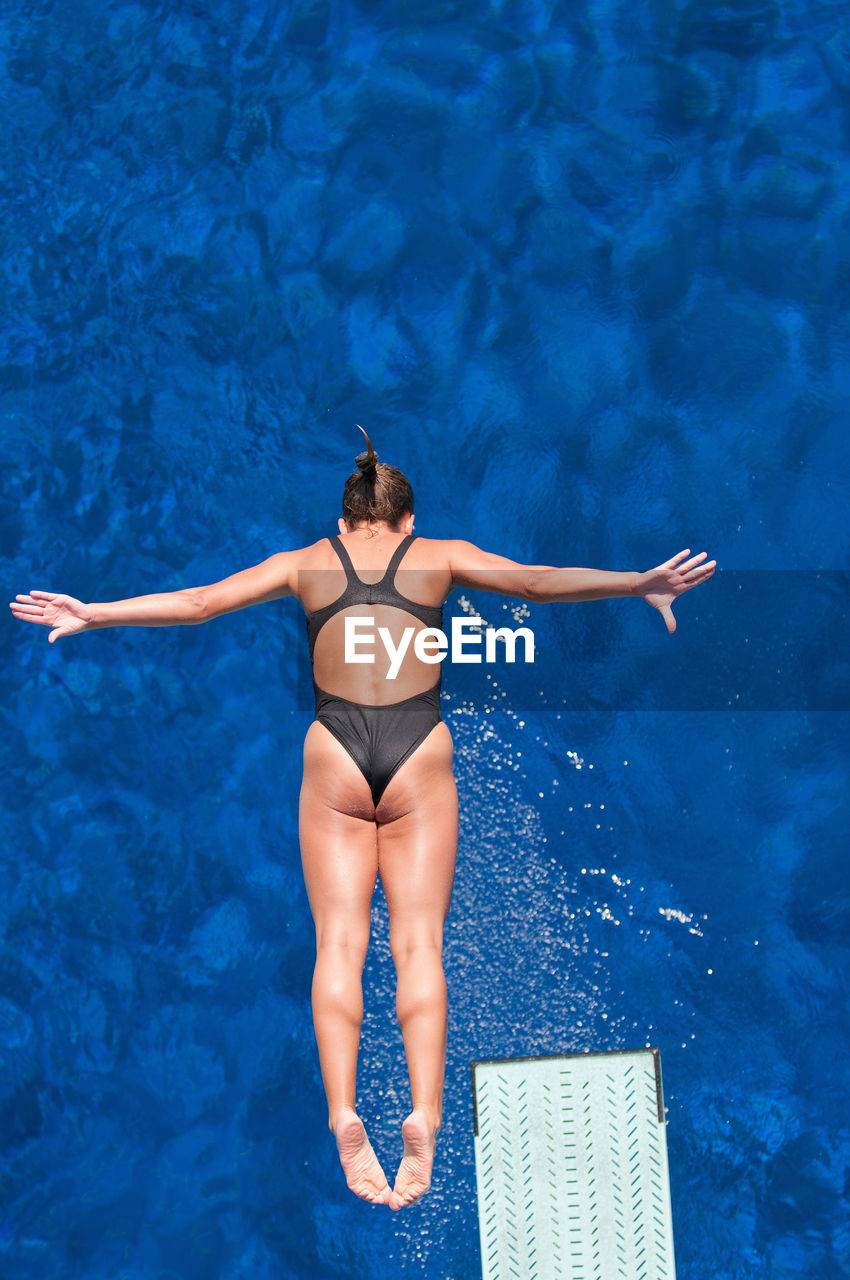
(378, 796)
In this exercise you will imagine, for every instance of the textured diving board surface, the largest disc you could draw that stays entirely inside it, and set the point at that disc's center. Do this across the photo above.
(571, 1165)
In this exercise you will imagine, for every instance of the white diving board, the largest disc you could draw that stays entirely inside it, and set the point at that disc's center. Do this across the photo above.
(571, 1167)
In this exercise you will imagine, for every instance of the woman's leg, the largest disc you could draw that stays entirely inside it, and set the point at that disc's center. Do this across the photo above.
(340, 859)
(417, 846)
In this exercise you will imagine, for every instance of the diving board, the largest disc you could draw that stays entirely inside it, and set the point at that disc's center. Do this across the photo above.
(571, 1167)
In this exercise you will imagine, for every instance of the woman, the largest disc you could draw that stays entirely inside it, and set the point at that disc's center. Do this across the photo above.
(378, 795)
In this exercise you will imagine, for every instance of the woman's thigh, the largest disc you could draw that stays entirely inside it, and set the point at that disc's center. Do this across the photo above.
(339, 847)
(417, 842)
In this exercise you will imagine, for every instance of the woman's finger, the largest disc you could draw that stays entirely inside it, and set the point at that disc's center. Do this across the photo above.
(694, 560)
(699, 575)
(31, 617)
(26, 614)
(44, 595)
(674, 560)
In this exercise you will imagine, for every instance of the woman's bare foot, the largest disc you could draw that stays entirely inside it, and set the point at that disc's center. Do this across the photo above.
(414, 1173)
(361, 1166)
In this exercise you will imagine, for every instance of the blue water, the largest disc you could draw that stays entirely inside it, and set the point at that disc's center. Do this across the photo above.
(581, 269)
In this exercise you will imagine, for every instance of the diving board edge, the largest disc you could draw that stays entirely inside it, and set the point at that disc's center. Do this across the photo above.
(586, 1053)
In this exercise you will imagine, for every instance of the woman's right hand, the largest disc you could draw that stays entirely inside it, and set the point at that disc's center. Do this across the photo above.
(660, 586)
(63, 613)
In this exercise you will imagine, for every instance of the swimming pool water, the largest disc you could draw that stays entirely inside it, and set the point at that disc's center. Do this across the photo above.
(581, 271)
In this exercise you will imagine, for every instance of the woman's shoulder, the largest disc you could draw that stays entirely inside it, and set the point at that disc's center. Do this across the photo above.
(317, 554)
(431, 552)
(444, 550)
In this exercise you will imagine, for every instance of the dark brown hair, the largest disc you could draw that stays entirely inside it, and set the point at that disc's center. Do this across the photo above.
(375, 491)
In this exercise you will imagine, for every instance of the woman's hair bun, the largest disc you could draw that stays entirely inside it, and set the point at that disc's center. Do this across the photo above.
(367, 463)
(375, 492)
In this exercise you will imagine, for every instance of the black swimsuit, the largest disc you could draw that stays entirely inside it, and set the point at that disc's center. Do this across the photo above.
(378, 738)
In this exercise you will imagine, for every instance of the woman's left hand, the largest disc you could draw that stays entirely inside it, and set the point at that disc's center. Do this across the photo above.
(659, 587)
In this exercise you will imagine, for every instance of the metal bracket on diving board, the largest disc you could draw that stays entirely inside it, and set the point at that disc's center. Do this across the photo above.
(571, 1167)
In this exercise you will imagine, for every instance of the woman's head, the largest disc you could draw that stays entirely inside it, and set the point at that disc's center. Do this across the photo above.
(375, 492)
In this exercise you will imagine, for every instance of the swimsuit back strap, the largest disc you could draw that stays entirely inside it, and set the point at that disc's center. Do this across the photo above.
(397, 557)
(344, 558)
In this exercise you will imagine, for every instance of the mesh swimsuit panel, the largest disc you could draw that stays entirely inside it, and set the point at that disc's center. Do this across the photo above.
(379, 737)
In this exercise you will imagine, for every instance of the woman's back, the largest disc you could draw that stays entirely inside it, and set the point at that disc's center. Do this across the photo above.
(367, 599)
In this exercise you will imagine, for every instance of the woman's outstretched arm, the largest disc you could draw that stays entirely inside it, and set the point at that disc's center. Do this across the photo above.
(274, 578)
(471, 567)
